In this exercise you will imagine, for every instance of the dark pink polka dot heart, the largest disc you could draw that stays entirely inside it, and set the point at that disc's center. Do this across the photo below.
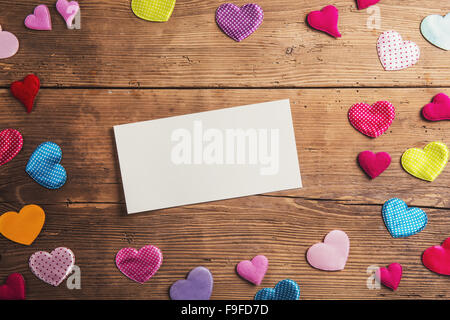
(11, 142)
(372, 120)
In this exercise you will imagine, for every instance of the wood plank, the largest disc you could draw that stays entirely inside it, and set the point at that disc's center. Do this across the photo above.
(114, 48)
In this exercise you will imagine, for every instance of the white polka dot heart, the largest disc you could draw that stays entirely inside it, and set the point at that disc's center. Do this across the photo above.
(395, 53)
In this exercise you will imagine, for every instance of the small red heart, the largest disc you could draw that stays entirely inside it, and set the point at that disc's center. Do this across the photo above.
(363, 4)
(26, 91)
(374, 164)
(372, 120)
(437, 258)
(390, 276)
(325, 20)
(439, 109)
(14, 288)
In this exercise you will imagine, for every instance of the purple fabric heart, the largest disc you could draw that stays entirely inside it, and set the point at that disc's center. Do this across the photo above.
(197, 286)
(239, 23)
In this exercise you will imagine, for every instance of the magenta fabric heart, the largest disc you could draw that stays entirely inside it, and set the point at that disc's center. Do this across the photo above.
(11, 142)
(372, 120)
(53, 267)
(374, 164)
(140, 265)
(40, 19)
(390, 276)
(332, 253)
(363, 4)
(438, 109)
(68, 10)
(325, 20)
(253, 271)
(197, 286)
(239, 23)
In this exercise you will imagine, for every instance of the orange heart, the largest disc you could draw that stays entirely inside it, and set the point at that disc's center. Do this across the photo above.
(23, 227)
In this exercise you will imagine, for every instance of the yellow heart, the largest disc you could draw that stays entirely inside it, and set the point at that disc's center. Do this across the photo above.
(153, 10)
(428, 163)
(23, 227)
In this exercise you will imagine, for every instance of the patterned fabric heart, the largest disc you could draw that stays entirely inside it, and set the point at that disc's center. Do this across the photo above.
(390, 276)
(14, 288)
(40, 19)
(22, 227)
(372, 120)
(402, 221)
(153, 10)
(26, 91)
(438, 109)
(239, 23)
(374, 164)
(426, 164)
(197, 286)
(396, 54)
(436, 29)
(284, 290)
(253, 271)
(11, 142)
(437, 258)
(53, 267)
(44, 166)
(325, 20)
(140, 265)
(331, 254)
(363, 4)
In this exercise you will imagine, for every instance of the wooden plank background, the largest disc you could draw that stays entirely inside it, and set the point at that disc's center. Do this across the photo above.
(120, 69)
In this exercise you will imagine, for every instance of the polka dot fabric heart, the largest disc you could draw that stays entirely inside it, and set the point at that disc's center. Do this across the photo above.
(53, 267)
(11, 142)
(284, 290)
(372, 120)
(402, 221)
(140, 265)
(396, 54)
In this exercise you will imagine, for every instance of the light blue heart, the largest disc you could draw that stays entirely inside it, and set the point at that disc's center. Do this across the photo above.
(402, 221)
(284, 290)
(436, 29)
(44, 166)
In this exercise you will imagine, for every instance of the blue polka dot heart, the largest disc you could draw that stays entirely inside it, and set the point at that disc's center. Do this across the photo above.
(44, 166)
(402, 221)
(284, 290)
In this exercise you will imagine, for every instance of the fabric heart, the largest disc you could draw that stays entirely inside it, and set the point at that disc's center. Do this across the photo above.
(363, 4)
(396, 54)
(68, 10)
(239, 23)
(40, 20)
(284, 290)
(53, 267)
(253, 271)
(14, 288)
(44, 166)
(436, 29)
(372, 120)
(437, 258)
(11, 142)
(439, 109)
(390, 276)
(374, 164)
(402, 221)
(332, 253)
(426, 164)
(26, 91)
(9, 44)
(140, 265)
(153, 10)
(325, 20)
(197, 286)
(23, 227)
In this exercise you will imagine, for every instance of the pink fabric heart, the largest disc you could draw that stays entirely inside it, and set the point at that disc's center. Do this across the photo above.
(9, 44)
(11, 143)
(390, 276)
(332, 253)
(396, 54)
(439, 109)
(40, 20)
(363, 4)
(140, 265)
(68, 10)
(437, 258)
(372, 120)
(253, 271)
(374, 164)
(325, 20)
(53, 267)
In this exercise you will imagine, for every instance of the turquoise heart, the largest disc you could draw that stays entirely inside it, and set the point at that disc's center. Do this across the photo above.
(44, 166)
(436, 29)
(284, 290)
(402, 221)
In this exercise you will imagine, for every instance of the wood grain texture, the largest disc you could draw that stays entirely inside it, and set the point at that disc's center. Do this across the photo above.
(116, 49)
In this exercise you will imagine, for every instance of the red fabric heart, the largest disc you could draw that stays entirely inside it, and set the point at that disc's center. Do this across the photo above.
(439, 109)
(11, 143)
(374, 164)
(437, 258)
(26, 91)
(372, 120)
(363, 4)
(325, 20)
(390, 276)
(14, 288)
